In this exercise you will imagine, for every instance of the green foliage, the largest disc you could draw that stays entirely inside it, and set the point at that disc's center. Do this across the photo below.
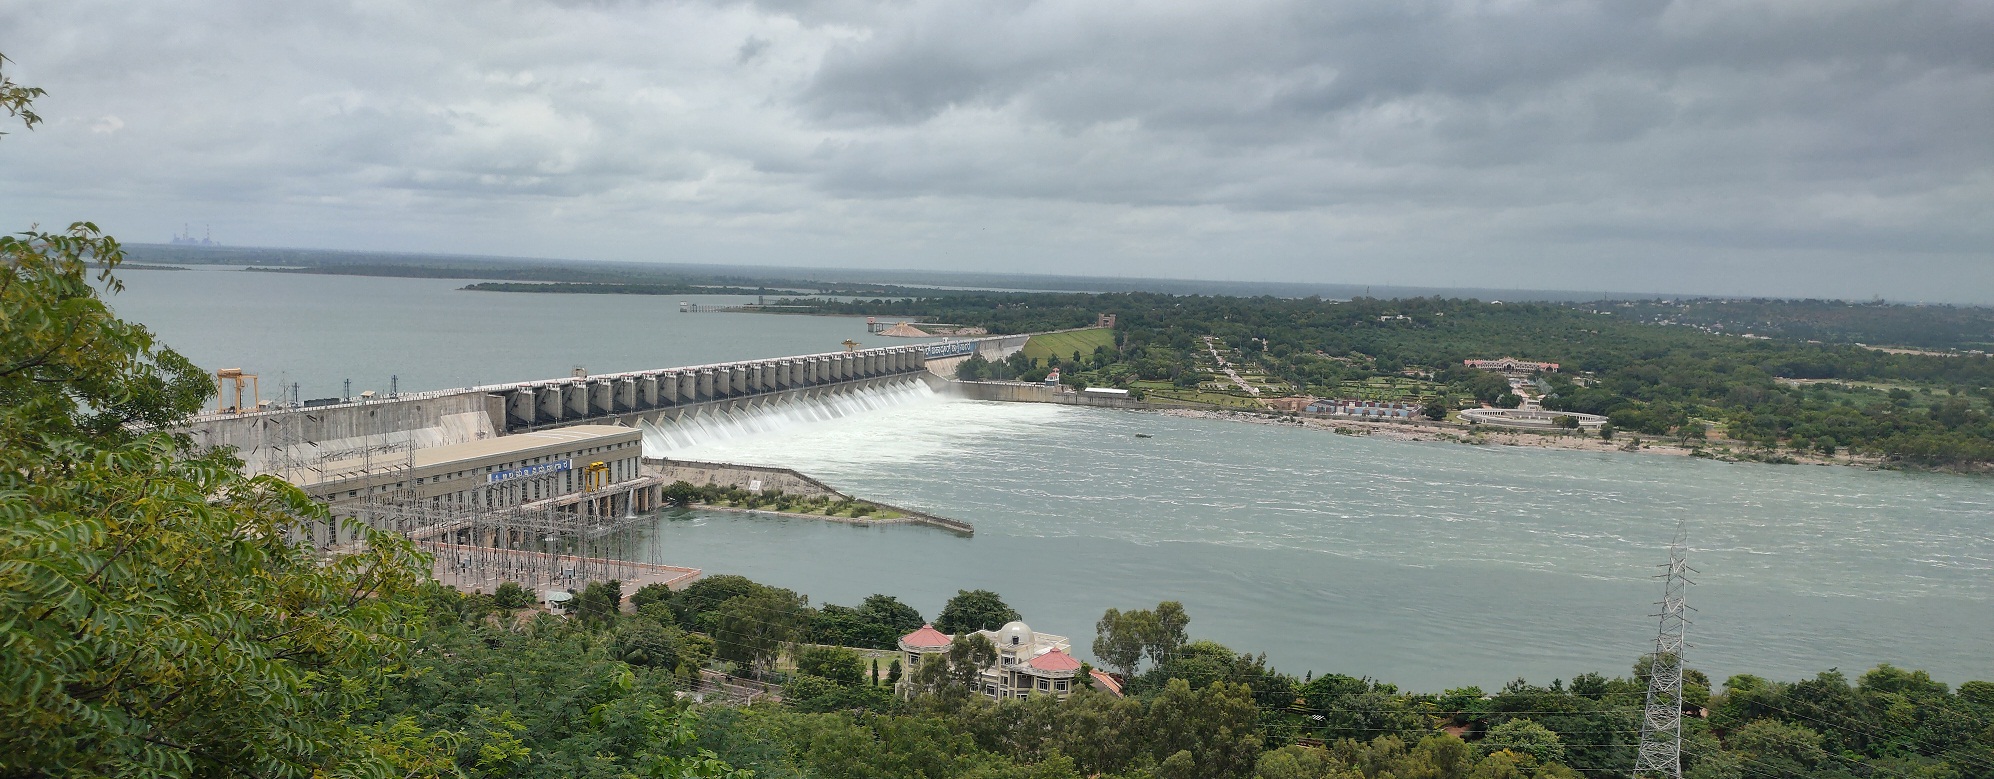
(510, 596)
(647, 643)
(1525, 737)
(695, 604)
(156, 617)
(1118, 640)
(956, 673)
(1122, 639)
(974, 610)
(18, 100)
(750, 630)
(681, 493)
(598, 603)
(1057, 346)
(1437, 756)
(836, 664)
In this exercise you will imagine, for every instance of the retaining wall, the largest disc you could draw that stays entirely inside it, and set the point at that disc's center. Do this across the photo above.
(700, 474)
(266, 440)
(791, 482)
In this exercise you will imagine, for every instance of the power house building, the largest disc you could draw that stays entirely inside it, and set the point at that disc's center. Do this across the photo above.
(493, 473)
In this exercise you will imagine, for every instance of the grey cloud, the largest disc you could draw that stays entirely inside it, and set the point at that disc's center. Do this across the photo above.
(1304, 139)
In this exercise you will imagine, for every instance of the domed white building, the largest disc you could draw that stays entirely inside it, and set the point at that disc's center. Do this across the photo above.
(1028, 661)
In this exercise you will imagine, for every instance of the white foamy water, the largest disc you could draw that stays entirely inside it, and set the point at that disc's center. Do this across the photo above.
(712, 430)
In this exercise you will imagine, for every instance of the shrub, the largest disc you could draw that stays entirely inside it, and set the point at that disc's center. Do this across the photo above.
(510, 596)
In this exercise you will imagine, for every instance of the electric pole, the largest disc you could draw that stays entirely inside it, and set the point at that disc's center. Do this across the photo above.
(1661, 723)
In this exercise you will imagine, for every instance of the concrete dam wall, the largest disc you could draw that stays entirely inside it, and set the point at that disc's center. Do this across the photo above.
(289, 440)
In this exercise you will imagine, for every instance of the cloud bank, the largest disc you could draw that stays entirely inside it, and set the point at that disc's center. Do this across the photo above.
(1804, 147)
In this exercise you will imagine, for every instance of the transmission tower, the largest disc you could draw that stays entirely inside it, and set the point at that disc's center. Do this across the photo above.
(1661, 725)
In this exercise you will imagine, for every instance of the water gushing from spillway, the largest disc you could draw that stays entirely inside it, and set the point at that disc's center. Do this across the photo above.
(708, 428)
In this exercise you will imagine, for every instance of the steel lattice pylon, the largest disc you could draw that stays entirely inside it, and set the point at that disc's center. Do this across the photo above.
(1661, 723)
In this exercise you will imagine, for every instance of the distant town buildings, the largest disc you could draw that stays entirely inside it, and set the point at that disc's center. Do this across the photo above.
(1512, 365)
(1028, 662)
(1373, 409)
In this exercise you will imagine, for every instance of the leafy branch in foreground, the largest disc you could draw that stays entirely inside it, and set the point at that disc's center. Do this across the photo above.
(18, 100)
(156, 617)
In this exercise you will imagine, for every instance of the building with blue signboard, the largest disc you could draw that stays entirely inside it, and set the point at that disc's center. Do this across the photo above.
(492, 473)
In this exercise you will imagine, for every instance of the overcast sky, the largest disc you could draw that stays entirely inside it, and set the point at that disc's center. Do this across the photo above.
(1789, 147)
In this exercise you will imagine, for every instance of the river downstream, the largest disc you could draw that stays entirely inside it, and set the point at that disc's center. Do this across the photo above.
(1429, 565)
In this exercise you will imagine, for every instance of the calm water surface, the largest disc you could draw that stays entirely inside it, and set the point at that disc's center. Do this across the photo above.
(1425, 564)
(318, 331)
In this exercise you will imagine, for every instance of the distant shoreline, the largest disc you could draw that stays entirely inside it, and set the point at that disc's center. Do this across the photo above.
(1486, 436)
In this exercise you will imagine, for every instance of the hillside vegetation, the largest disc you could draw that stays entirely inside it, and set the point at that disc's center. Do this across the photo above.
(1653, 379)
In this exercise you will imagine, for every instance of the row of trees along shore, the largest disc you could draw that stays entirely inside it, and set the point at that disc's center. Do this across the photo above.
(157, 620)
(1659, 380)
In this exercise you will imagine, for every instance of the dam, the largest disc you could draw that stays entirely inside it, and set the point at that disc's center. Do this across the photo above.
(298, 442)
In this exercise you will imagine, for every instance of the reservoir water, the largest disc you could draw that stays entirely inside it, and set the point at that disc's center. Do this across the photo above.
(1428, 565)
(319, 331)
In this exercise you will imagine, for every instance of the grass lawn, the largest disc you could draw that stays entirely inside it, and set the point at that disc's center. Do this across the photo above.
(1063, 345)
(1163, 390)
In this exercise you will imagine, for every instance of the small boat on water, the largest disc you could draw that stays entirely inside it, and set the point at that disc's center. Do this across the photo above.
(1144, 435)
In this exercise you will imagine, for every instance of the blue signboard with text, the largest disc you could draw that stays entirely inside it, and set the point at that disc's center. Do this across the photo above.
(528, 472)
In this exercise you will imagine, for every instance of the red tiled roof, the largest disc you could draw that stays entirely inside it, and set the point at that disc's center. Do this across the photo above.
(1106, 682)
(926, 637)
(1055, 660)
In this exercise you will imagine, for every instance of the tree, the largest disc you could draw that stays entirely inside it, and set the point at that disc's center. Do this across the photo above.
(1216, 726)
(957, 673)
(680, 493)
(1525, 737)
(974, 610)
(1165, 631)
(510, 596)
(888, 611)
(703, 596)
(647, 643)
(156, 614)
(836, 664)
(750, 629)
(1117, 642)
(597, 604)
(1777, 749)
(1435, 408)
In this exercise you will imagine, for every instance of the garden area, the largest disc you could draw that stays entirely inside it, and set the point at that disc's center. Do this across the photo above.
(734, 497)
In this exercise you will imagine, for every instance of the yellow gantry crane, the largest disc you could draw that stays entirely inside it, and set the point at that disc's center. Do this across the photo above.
(595, 476)
(226, 375)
